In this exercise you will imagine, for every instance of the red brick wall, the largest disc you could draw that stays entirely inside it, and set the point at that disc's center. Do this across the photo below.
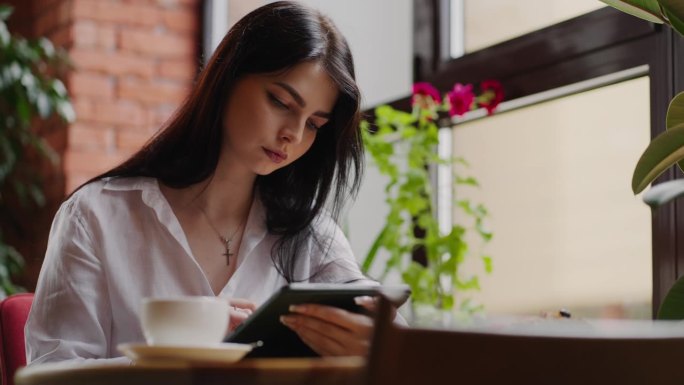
(134, 61)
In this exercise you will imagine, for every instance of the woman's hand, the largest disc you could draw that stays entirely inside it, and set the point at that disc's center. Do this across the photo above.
(331, 331)
(240, 309)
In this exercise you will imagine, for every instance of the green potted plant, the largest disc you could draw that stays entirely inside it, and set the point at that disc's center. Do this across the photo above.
(403, 147)
(29, 91)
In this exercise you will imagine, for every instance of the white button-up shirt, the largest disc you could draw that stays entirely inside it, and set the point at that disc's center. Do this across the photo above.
(117, 241)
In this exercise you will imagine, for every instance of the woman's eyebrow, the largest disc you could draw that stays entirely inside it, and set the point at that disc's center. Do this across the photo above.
(299, 99)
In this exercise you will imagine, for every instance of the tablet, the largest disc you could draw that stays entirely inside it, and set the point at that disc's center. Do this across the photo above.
(277, 340)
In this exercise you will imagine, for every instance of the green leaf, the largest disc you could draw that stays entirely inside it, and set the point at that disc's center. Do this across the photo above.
(25, 52)
(674, 10)
(467, 181)
(473, 283)
(408, 132)
(448, 302)
(8, 158)
(481, 211)
(662, 193)
(485, 234)
(58, 88)
(20, 190)
(45, 150)
(66, 111)
(29, 80)
(5, 36)
(23, 110)
(468, 307)
(675, 116)
(672, 307)
(42, 104)
(11, 262)
(643, 9)
(11, 73)
(5, 11)
(370, 257)
(466, 207)
(487, 260)
(4, 272)
(663, 151)
(425, 220)
(15, 260)
(675, 112)
(47, 47)
(34, 191)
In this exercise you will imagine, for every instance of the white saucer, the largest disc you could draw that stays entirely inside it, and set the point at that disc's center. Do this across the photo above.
(223, 352)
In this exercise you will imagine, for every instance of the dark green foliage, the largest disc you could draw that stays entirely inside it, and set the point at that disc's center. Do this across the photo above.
(29, 91)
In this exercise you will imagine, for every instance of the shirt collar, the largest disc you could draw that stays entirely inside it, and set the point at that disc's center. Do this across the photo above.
(130, 184)
(255, 227)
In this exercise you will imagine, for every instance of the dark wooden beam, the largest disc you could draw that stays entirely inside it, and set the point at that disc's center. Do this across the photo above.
(542, 51)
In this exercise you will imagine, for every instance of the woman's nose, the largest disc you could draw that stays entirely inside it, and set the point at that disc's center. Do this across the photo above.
(292, 133)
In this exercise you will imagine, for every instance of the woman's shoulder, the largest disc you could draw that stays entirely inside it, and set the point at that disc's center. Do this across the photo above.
(105, 192)
(327, 234)
(325, 224)
(331, 253)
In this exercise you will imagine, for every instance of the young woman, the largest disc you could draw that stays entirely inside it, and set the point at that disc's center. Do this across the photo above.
(228, 199)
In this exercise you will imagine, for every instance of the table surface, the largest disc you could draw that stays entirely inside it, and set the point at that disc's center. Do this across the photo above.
(342, 370)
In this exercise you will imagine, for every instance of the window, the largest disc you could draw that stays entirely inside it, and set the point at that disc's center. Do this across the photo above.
(561, 55)
(568, 233)
(478, 24)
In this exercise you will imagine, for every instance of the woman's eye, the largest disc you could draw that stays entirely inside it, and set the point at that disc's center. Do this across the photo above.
(312, 126)
(277, 102)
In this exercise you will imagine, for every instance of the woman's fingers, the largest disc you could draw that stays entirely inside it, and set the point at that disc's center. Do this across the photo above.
(371, 304)
(321, 343)
(330, 331)
(326, 339)
(240, 309)
(237, 317)
(367, 302)
(357, 323)
(243, 304)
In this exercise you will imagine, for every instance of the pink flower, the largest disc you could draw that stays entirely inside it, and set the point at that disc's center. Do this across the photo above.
(492, 95)
(425, 95)
(460, 99)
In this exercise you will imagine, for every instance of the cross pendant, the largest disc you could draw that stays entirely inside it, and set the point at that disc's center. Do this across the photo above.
(229, 252)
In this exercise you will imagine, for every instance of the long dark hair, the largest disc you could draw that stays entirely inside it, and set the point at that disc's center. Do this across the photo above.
(270, 39)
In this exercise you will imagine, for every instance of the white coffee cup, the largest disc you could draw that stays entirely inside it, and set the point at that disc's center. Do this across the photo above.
(184, 321)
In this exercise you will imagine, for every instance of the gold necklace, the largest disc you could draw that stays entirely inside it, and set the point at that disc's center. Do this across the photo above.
(226, 241)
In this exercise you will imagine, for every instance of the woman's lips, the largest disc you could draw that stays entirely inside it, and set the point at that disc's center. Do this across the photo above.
(275, 156)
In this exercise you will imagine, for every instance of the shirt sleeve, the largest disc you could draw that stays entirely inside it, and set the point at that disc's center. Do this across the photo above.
(70, 318)
(332, 255)
(337, 262)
